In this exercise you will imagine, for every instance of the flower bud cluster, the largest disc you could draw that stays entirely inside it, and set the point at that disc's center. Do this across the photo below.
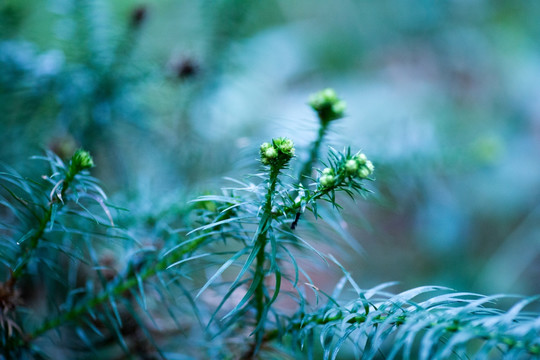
(357, 166)
(278, 153)
(364, 166)
(327, 105)
(80, 160)
(327, 177)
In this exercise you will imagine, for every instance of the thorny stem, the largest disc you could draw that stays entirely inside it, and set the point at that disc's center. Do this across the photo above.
(261, 241)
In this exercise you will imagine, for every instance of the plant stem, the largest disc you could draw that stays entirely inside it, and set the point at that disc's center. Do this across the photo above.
(34, 240)
(305, 173)
(262, 238)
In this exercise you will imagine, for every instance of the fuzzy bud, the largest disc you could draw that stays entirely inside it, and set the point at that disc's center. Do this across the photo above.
(370, 166)
(328, 171)
(361, 158)
(286, 146)
(265, 146)
(278, 153)
(326, 180)
(339, 108)
(327, 105)
(270, 153)
(81, 160)
(363, 172)
(351, 166)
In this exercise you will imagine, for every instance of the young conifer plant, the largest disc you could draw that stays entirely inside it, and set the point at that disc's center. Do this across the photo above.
(258, 300)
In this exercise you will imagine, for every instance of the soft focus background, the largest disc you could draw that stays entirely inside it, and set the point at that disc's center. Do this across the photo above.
(171, 96)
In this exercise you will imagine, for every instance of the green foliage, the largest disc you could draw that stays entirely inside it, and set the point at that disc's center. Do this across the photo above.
(327, 105)
(170, 96)
(439, 92)
(442, 326)
(41, 217)
(58, 234)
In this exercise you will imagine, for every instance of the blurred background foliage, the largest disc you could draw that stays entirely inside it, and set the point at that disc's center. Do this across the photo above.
(171, 96)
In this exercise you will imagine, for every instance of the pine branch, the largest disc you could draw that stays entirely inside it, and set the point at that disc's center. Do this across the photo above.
(377, 318)
(81, 160)
(116, 288)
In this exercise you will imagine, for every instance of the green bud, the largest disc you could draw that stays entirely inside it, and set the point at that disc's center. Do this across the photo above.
(361, 158)
(370, 166)
(278, 153)
(287, 147)
(284, 145)
(328, 171)
(326, 180)
(81, 160)
(265, 146)
(329, 94)
(319, 99)
(327, 105)
(339, 108)
(351, 166)
(270, 153)
(363, 172)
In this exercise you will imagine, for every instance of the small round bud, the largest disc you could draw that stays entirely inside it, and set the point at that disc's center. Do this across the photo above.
(265, 146)
(363, 172)
(370, 166)
(326, 180)
(328, 171)
(270, 153)
(339, 108)
(287, 146)
(361, 158)
(351, 166)
(329, 94)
